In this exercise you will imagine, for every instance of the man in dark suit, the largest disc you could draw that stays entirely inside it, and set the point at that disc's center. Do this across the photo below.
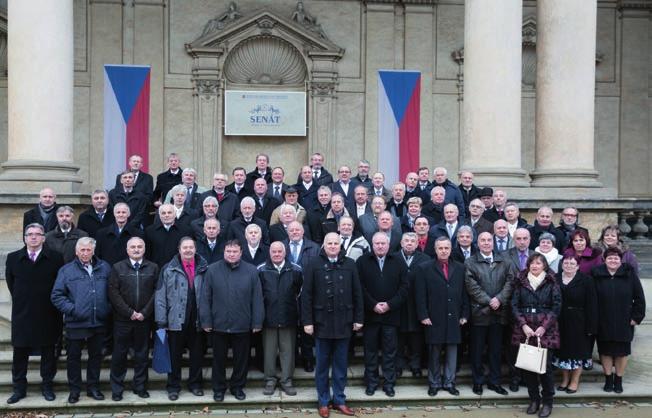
(475, 219)
(45, 211)
(35, 322)
(193, 190)
(363, 174)
(278, 231)
(361, 204)
(238, 225)
(412, 185)
(143, 182)
(320, 175)
(261, 171)
(265, 205)
(125, 193)
(502, 240)
(307, 189)
(397, 205)
(162, 240)
(111, 241)
(383, 278)
(228, 201)
(497, 209)
(434, 208)
(277, 186)
(424, 182)
(447, 227)
(465, 247)
(345, 186)
(317, 214)
(237, 187)
(98, 216)
(486, 195)
(167, 179)
(469, 190)
(378, 187)
(254, 251)
(212, 242)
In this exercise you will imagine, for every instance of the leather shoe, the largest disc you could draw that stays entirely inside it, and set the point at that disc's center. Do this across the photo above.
(308, 366)
(142, 393)
(571, 391)
(15, 397)
(514, 387)
(389, 391)
(73, 397)
(498, 389)
(370, 391)
(532, 408)
(453, 390)
(545, 411)
(417, 373)
(289, 390)
(173, 396)
(432, 391)
(477, 389)
(48, 395)
(238, 394)
(197, 392)
(562, 388)
(218, 396)
(117, 397)
(324, 412)
(95, 394)
(270, 388)
(345, 410)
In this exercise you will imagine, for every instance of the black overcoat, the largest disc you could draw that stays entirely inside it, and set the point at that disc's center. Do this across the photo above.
(389, 285)
(445, 302)
(409, 321)
(578, 318)
(35, 322)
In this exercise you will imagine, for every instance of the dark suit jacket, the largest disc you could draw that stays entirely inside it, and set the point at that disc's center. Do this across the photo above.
(237, 230)
(325, 178)
(458, 255)
(264, 212)
(409, 321)
(260, 257)
(397, 210)
(509, 245)
(468, 196)
(511, 255)
(228, 208)
(482, 225)
(243, 191)
(165, 181)
(254, 175)
(137, 202)
(389, 285)
(308, 250)
(307, 197)
(277, 232)
(270, 190)
(144, 183)
(348, 197)
(89, 222)
(441, 230)
(369, 226)
(34, 216)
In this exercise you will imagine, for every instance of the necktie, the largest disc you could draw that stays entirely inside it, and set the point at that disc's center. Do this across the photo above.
(136, 265)
(211, 245)
(408, 260)
(381, 262)
(466, 254)
(101, 216)
(220, 196)
(277, 194)
(450, 230)
(295, 251)
(488, 260)
(345, 242)
(522, 258)
(191, 275)
(260, 200)
(444, 267)
(315, 174)
(378, 192)
(189, 194)
(501, 244)
(32, 256)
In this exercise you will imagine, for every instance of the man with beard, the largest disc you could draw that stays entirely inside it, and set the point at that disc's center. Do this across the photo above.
(64, 237)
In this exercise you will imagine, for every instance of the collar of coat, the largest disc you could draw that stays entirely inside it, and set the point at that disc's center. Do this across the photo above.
(524, 282)
(601, 272)
(268, 265)
(200, 264)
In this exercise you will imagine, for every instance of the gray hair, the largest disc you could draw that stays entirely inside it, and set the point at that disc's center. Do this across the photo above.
(548, 236)
(189, 170)
(247, 199)
(120, 205)
(34, 225)
(464, 228)
(83, 241)
(179, 188)
(65, 209)
(411, 235)
(253, 226)
(211, 199)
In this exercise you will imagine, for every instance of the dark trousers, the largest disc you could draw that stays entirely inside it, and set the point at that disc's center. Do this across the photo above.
(306, 345)
(128, 334)
(547, 384)
(94, 346)
(481, 336)
(241, 346)
(413, 343)
(434, 365)
(385, 337)
(331, 353)
(19, 367)
(192, 339)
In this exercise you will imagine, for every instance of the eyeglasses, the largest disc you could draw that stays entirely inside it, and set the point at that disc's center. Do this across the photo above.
(572, 215)
(476, 206)
(34, 234)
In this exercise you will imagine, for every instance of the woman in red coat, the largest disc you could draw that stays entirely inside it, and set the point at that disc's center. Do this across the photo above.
(536, 305)
(580, 246)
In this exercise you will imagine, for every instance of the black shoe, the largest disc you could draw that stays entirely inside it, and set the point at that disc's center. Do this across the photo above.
(197, 392)
(218, 396)
(432, 391)
(238, 394)
(562, 388)
(608, 383)
(370, 391)
(497, 388)
(95, 394)
(477, 389)
(308, 366)
(533, 408)
(73, 397)
(514, 387)
(142, 393)
(453, 390)
(117, 397)
(618, 384)
(417, 373)
(15, 397)
(399, 373)
(173, 396)
(48, 394)
(588, 367)
(570, 391)
(389, 391)
(545, 411)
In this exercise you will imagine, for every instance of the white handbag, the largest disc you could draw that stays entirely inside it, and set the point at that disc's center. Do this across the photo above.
(531, 358)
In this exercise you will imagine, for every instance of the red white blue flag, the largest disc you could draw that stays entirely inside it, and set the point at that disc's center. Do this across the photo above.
(399, 109)
(126, 118)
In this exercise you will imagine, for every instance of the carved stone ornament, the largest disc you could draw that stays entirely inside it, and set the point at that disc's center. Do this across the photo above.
(265, 60)
(322, 88)
(301, 16)
(207, 87)
(219, 22)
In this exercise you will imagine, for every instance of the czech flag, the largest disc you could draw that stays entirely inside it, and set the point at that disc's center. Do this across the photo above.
(399, 108)
(126, 118)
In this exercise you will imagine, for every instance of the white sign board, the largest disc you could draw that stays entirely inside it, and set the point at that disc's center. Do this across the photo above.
(265, 113)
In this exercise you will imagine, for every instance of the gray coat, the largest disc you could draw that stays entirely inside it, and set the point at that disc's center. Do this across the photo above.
(483, 282)
(172, 293)
(232, 298)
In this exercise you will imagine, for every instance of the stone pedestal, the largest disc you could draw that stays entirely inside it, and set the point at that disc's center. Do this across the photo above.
(491, 138)
(565, 89)
(40, 56)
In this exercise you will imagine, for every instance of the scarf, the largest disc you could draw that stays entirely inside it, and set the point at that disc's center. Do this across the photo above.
(550, 256)
(535, 281)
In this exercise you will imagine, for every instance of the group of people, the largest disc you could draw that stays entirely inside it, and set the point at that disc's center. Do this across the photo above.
(418, 269)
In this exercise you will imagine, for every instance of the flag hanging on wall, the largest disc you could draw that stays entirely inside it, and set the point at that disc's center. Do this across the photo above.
(126, 118)
(399, 109)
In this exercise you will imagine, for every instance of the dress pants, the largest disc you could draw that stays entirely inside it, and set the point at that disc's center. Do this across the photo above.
(279, 341)
(189, 337)
(306, 345)
(128, 334)
(241, 347)
(434, 366)
(94, 344)
(19, 367)
(547, 384)
(413, 343)
(387, 336)
(491, 335)
(331, 352)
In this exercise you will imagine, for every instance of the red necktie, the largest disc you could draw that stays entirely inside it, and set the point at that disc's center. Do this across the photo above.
(444, 267)
(220, 196)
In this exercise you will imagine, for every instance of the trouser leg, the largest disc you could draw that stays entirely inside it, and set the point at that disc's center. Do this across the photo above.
(434, 368)
(340, 367)
(142, 331)
(287, 344)
(270, 346)
(532, 382)
(450, 365)
(220, 349)
(122, 340)
(177, 342)
(19, 369)
(415, 344)
(241, 344)
(195, 341)
(48, 366)
(371, 337)
(73, 364)
(495, 350)
(389, 336)
(478, 337)
(323, 352)
(94, 344)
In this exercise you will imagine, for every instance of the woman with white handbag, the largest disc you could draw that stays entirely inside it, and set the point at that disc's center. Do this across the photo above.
(536, 304)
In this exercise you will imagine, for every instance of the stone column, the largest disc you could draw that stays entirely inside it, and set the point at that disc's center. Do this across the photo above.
(491, 136)
(40, 80)
(565, 89)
